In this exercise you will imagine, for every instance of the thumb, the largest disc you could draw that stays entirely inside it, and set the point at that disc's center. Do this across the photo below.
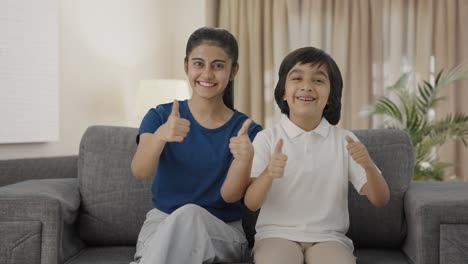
(245, 127)
(349, 139)
(279, 146)
(175, 109)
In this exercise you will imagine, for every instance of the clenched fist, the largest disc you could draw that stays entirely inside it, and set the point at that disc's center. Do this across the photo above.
(175, 129)
(359, 153)
(240, 145)
(277, 162)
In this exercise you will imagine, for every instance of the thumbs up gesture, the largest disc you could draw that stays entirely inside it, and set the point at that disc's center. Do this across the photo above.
(175, 129)
(240, 145)
(359, 153)
(278, 161)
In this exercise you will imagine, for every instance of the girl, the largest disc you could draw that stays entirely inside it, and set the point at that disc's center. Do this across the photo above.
(199, 153)
(302, 166)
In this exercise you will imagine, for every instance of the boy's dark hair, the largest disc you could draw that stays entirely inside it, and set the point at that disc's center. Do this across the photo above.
(306, 55)
(223, 39)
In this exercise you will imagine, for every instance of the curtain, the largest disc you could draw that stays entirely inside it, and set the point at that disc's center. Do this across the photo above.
(372, 41)
(261, 31)
(450, 42)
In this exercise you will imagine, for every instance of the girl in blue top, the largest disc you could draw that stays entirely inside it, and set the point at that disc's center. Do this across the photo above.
(199, 154)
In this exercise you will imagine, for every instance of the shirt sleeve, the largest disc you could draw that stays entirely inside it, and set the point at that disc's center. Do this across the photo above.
(357, 175)
(262, 153)
(152, 121)
(253, 130)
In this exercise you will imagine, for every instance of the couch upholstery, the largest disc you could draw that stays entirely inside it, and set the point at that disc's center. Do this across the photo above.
(89, 209)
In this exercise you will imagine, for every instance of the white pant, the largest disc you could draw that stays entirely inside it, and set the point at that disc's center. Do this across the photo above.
(190, 234)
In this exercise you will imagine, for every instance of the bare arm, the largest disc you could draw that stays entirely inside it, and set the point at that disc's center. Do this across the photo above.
(376, 188)
(258, 191)
(260, 186)
(146, 158)
(147, 155)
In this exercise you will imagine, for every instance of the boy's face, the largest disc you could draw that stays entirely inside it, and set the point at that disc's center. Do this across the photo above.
(209, 70)
(307, 89)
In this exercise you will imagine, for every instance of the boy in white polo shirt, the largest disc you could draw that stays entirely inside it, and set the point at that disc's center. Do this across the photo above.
(302, 167)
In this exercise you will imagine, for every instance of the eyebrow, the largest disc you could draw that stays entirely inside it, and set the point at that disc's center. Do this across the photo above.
(217, 60)
(319, 72)
(295, 71)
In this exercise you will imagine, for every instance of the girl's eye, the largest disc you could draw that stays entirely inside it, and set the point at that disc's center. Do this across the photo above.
(296, 78)
(198, 63)
(219, 66)
(319, 81)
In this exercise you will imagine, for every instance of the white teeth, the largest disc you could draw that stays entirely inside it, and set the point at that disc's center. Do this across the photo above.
(305, 98)
(207, 84)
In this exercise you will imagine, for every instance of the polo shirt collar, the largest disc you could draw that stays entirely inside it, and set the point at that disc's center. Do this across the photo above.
(292, 130)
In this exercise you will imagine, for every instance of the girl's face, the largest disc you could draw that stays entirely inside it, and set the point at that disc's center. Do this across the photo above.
(209, 70)
(307, 89)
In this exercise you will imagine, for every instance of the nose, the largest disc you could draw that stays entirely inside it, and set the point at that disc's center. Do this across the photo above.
(207, 72)
(307, 87)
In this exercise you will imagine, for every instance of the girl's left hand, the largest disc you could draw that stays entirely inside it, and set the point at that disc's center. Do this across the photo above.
(359, 153)
(240, 146)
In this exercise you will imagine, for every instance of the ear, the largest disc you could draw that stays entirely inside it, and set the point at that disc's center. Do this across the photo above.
(234, 71)
(186, 67)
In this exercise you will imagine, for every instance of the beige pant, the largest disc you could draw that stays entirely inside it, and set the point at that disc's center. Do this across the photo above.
(280, 251)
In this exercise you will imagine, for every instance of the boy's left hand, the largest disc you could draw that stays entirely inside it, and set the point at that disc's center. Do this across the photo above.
(359, 153)
(241, 147)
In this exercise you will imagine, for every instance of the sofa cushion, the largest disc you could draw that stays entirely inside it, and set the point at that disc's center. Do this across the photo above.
(114, 203)
(392, 151)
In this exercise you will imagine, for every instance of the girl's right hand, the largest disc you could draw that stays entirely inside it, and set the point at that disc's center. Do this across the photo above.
(277, 163)
(175, 129)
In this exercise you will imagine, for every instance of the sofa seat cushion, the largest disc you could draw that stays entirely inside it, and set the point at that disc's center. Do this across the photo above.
(103, 255)
(380, 256)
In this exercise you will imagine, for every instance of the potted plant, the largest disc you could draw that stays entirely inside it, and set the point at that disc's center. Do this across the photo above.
(412, 108)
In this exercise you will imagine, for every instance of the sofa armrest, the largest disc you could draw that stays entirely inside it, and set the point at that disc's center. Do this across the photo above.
(17, 170)
(437, 218)
(37, 221)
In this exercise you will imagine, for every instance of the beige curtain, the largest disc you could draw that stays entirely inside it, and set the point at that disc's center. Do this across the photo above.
(343, 29)
(450, 48)
(372, 41)
(261, 30)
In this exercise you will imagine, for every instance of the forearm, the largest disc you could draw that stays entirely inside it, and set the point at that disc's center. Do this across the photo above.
(237, 180)
(376, 187)
(147, 156)
(257, 192)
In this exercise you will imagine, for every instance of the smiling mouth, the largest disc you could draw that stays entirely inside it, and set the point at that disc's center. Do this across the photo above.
(206, 84)
(306, 98)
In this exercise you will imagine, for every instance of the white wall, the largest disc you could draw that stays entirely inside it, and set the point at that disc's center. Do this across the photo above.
(106, 47)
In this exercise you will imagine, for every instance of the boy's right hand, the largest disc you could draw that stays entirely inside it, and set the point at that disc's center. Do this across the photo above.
(175, 129)
(277, 162)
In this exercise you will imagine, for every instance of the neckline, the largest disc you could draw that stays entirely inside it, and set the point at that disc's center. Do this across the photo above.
(209, 130)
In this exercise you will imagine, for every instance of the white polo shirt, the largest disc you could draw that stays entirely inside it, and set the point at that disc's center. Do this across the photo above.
(310, 202)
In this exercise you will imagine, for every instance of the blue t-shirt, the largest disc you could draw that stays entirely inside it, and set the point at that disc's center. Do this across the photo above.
(193, 171)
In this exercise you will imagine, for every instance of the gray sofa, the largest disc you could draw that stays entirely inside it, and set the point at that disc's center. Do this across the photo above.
(89, 209)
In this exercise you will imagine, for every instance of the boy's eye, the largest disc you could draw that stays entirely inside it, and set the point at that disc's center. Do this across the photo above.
(319, 81)
(198, 63)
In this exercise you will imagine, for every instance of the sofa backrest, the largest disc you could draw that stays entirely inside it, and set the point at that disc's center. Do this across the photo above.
(113, 202)
(392, 151)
